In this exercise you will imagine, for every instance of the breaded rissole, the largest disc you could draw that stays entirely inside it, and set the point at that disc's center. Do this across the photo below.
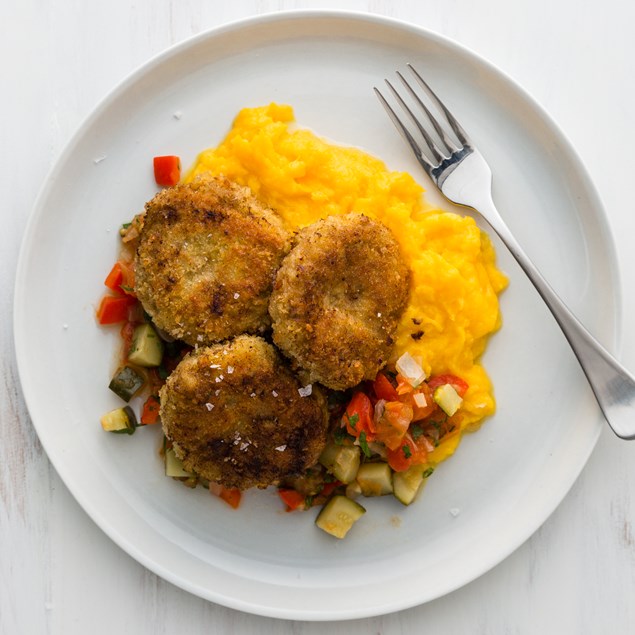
(237, 415)
(206, 257)
(337, 299)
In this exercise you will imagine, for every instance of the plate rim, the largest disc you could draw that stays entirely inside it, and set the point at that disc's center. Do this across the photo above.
(102, 105)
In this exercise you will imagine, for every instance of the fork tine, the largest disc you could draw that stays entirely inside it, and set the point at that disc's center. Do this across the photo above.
(428, 167)
(462, 136)
(432, 146)
(449, 144)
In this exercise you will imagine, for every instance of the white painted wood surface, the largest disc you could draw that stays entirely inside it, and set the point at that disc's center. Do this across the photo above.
(58, 572)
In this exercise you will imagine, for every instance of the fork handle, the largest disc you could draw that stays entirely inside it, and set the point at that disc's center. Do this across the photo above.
(612, 384)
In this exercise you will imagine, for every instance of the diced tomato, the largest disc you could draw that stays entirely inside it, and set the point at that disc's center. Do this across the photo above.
(439, 427)
(403, 386)
(127, 331)
(457, 383)
(167, 170)
(394, 423)
(408, 453)
(136, 313)
(383, 389)
(231, 495)
(114, 309)
(292, 499)
(359, 416)
(417, 398)
(150, 411)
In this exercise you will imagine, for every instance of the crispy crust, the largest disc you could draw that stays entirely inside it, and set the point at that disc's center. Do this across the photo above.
(206, 258)
(235, 416)
(337, 299)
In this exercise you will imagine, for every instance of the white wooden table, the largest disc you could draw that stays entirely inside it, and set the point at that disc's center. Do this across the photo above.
(58, 572)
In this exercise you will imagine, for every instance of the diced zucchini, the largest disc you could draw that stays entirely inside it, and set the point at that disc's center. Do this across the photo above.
(409, 483)
(146, 348)
(121, 421)
(174, 465)
(126, 382)
(375, 479)
(339, 515)
(448, 399)
(342, 461)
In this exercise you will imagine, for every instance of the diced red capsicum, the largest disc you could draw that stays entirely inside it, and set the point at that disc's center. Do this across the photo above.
(115, 278)
(292, 499)
(114, 309)
(121, 278)
(231, 495)
(457, 383)
(167, 170)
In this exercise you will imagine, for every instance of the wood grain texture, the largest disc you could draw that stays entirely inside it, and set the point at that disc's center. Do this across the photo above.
(59, 573)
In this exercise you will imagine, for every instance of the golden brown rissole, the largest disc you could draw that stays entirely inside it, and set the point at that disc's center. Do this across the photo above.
(238, 416)
(337, 299)
(205, 261)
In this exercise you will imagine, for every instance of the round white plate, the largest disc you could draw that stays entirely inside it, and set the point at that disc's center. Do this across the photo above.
(503, 481)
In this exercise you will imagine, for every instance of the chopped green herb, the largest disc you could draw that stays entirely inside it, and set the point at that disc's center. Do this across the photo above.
(416, 430)
(428, 472)
(363, 444)
(126, 225)
(353, 420)
(126, 288)
(406, 451)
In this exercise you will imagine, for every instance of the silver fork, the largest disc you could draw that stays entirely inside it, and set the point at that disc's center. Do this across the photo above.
(464, 177)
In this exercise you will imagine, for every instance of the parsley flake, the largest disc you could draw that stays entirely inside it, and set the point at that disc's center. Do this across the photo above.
(363, 444)
(353, 420)
(416, 430)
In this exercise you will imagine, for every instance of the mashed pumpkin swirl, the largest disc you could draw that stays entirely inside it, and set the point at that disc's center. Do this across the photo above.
(453, 305)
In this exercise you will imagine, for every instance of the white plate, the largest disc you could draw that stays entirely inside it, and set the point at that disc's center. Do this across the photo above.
(504, 480)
